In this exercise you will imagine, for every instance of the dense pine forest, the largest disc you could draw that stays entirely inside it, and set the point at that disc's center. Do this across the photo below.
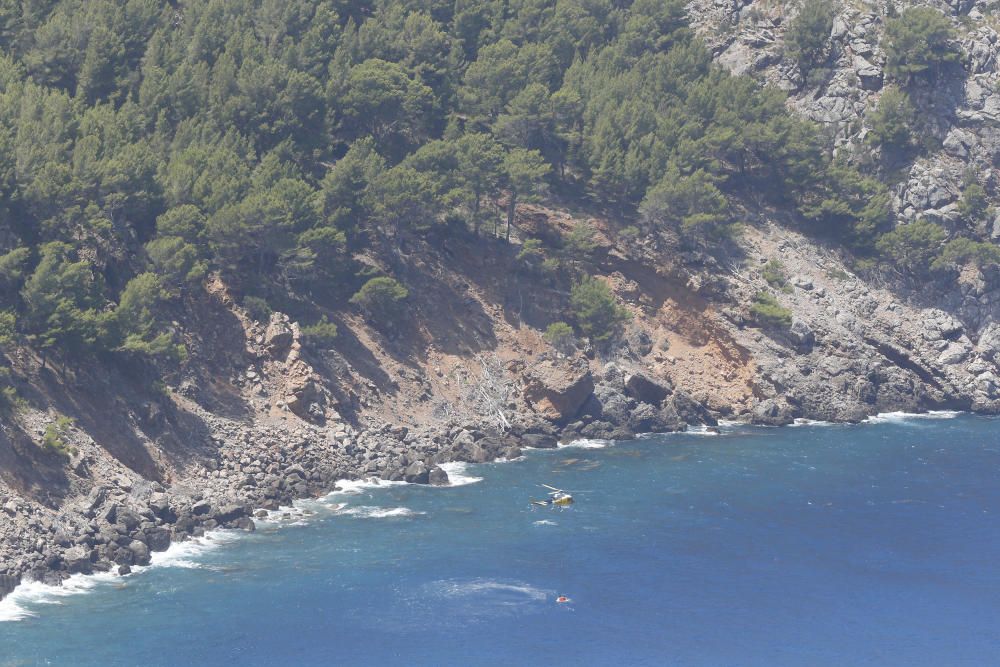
(147, 146)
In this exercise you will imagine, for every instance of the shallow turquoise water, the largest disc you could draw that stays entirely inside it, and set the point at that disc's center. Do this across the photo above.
(816, 545)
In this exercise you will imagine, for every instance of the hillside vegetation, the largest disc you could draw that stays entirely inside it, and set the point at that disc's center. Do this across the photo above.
(144, 146)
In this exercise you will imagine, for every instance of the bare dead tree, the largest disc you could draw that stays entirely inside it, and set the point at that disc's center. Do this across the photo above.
(492, 391)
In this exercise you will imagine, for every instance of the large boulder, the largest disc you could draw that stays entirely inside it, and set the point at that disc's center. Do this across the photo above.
(802, 334)
(680, 409)
(278, 336)
(417, 473)
(557, 391)
(140, 552)
(772, 412)
(539, 440)
(231, 512)
(76, 560)
(159, 505)
(129, 519)
(305, 398)
(647, 419)
(643, 388)
(157, 539)
(438, 477)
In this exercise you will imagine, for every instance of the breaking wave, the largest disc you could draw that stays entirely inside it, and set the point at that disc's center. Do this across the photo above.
(586, 443)
(17, 605)
(456, 473)
(899, 417)
(368, 512)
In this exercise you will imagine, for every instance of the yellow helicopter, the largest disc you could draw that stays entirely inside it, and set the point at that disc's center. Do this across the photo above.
(556, 497)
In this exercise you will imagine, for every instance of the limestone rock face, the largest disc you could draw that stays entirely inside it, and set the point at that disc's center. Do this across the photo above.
(989, 342)
(557, 391)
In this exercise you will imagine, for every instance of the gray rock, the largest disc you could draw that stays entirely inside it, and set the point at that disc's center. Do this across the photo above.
(643, 388)
(231, 512)
(648, 419)
(955, 353)
(140, 552)
(802, 282)
(417, 473)
(77, 560)
(278, 336)
(201, 508)
(438, 477)
(157, 539)
(539, 440)
(772, 412)
(869, 75)
(802, 334)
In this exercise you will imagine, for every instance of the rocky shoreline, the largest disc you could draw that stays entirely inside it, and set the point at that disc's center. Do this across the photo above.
(262, 468)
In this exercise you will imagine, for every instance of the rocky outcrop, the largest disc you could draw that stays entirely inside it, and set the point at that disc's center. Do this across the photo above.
(556, 390)
(958, 111)
(643, 388)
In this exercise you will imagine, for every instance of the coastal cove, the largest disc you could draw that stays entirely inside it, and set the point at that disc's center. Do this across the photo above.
(868, 544)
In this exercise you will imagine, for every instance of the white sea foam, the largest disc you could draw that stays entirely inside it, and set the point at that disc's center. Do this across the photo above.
(545, 522)
(585, 443)
(184, 554)
(486, 587)
(897, 417)
(701, 429)
(802, 421)
(456, 473)
(369, 512)
(360, 485)
(17, 605)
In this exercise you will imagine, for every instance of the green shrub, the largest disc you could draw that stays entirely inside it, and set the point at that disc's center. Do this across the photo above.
(630, 234)
(10, 402)
(257, 308)
(322, 332)
(532, 256)
(892, 121)
(381, 297)
(580, 242)
(973, 204)
(54, 438)
(808, 34)
(560, 336)
(774, 274)
(919, 42)
(912, 247)
(551, 265)
(595, 310)
(8, 322)
(962, 251)
(769, 313)
(531, 251)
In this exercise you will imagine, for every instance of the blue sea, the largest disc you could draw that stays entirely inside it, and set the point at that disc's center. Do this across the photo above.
(874, 544)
